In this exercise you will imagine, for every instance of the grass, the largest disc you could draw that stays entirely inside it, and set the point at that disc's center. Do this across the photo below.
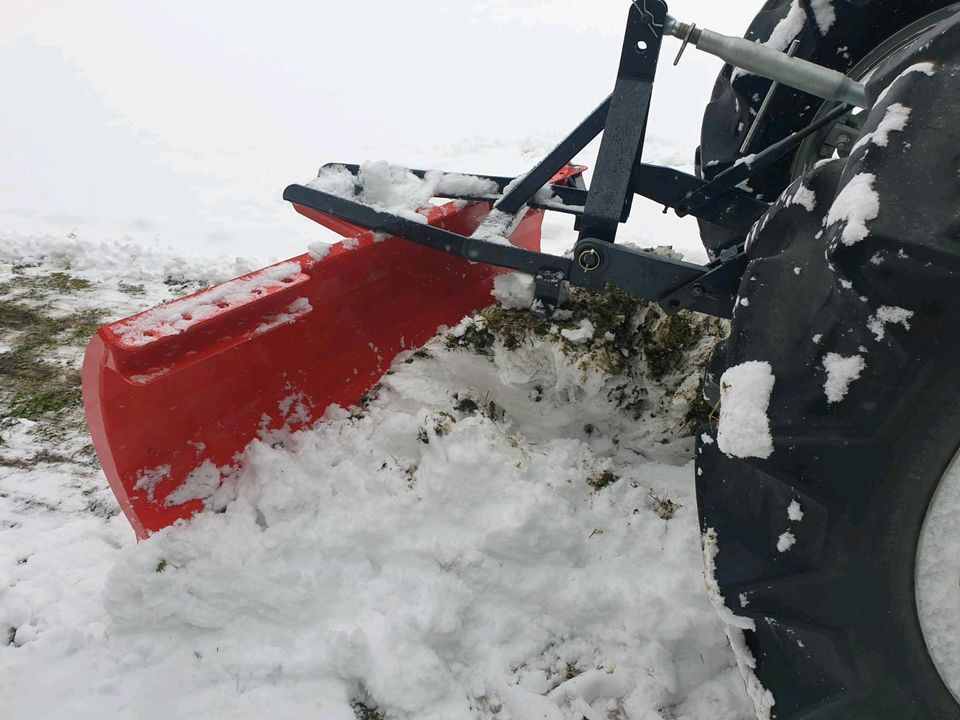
(362, 711)
(625, 328)
(33, 386)
(131, 289)
(602, 479)
(37, 381)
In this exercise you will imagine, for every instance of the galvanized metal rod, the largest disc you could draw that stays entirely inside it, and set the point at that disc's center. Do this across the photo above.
(773, 64)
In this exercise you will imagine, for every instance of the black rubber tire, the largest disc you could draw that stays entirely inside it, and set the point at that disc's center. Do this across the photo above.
(837, 633)
(859, 27)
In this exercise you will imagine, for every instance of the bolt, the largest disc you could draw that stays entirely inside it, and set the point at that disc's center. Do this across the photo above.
(590, 259)
(697, 290)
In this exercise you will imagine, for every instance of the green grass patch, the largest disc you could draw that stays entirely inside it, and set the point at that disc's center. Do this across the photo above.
(32, 384)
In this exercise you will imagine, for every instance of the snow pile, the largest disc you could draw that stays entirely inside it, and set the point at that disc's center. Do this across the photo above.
(841, 372)
(855, 205)
(744, 429)
(478, 540)
(514, 291)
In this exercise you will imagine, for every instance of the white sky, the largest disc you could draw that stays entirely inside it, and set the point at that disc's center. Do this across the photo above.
(179, 123)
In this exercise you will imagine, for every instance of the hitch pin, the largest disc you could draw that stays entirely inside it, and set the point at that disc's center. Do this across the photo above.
(771, 64)
(686, 41)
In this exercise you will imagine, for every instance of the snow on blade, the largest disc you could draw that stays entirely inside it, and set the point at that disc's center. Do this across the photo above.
(855, 205)
(389, 188)
(744, 428)
(456, 184)
(200, 484)
(841, 372)
(180, 315)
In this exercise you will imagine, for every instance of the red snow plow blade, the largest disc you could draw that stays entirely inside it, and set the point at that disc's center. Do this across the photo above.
(174, 395)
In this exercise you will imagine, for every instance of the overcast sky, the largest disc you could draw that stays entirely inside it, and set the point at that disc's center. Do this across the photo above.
(180, 122)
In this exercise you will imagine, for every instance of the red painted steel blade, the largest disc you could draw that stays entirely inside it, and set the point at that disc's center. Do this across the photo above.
(177, 392)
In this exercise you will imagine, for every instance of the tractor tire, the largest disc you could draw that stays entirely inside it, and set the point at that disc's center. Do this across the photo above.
(830, 537)
(839, 35)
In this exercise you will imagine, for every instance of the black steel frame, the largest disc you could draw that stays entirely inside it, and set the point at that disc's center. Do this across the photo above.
(619, 175)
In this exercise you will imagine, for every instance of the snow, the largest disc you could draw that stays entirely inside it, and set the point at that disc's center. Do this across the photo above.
(381, 185)
(744, 427)
(786, 541)
(582, 334)
(783, 34)
(895, 120)
(824, 14)
(804, 197)
(855, 205)
(938, 593)
(762, 698)
(354, 561)
(927, 68)
(795, 512)
(888, 315)
(200, 484)
(180, 315)
(841, 372)
(514, 290)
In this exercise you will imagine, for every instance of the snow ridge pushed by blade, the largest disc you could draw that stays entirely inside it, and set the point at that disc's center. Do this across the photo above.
(506, 528)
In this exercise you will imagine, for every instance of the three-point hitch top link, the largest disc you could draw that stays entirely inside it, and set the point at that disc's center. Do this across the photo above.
(772, 64)
(620, 174)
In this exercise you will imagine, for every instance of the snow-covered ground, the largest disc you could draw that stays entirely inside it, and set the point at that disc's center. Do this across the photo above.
(499, 533)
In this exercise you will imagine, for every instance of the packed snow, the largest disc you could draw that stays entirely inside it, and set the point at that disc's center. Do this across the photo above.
(795, 511)
(841, 372)
(786, 541)
(888, 315)
(783, 33)
(855, 205)
(744, 427)
(824, 14)
(938, 593)
(503, 535)
(926, 68)
(895, 120)
(179, 316)
(804, 197)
